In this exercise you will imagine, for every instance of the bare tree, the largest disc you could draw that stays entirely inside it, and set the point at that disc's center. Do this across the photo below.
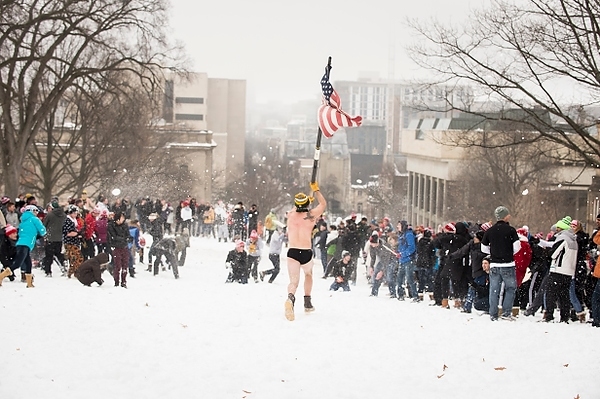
(89, 135)
(48, 47)
(516, 176)
(541, 57)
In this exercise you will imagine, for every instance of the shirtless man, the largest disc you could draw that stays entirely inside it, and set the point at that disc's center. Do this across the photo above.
(300, 224)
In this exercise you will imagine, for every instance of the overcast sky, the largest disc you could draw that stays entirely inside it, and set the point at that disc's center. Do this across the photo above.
(281, 47)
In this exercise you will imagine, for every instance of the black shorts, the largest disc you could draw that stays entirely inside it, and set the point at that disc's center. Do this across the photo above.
(301, 255)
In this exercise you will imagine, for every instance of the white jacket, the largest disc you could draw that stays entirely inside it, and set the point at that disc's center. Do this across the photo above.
(564, 255)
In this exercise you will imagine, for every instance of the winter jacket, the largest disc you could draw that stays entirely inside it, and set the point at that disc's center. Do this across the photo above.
(254, 248)
(134, 232)
(341, 269)
(101, 230)
(472, 250)
(8, 250)
(564, 253)
(238, 261)
(407, 247)
(277, 241)
(30, 229)
(425, 253)
(522, 260)
(90, 271)
(118, 234)
(501, 242)
(54, 222)
(90, 226)
(68, 227)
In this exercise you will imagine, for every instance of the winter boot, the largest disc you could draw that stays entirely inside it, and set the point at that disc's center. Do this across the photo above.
(5, 273)
(457, 304)
(308, 307)
(515, 311)
(581, 316)
(23, 279)
(445, 303)
(289, 307)
(29, 279)
(149, 269)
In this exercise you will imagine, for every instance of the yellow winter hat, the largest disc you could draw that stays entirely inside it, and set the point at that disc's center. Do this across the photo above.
(301, 200)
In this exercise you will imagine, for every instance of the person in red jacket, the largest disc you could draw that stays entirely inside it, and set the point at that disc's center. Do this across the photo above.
(523, 257)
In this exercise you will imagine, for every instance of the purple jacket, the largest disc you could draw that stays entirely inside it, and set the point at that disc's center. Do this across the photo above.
(101, 231)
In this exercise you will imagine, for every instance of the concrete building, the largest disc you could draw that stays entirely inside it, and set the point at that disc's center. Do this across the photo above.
(212, 111)
(434, 171)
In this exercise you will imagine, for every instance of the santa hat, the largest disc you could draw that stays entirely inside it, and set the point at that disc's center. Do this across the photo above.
(9, 229)
(450, 228)
(522, 232)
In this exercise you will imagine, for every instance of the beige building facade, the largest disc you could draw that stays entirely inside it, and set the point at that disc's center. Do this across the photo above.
(207, 117)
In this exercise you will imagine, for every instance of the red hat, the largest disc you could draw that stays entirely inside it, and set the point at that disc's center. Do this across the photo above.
(9, 229)
(450, 228)
(522, 232)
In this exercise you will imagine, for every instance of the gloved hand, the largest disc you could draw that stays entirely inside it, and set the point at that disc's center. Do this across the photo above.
(314, 186)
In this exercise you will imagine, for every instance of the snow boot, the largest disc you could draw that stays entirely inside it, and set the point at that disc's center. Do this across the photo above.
(289, 307)
(581, 316)
(457, 304)
(29, 279)
(5, 273)
(308, 307)
(23, 279)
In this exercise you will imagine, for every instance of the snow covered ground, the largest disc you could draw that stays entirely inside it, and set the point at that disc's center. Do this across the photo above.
(197, 337)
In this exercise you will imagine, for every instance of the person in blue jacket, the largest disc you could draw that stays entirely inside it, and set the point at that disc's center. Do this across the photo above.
(30, 229)
(407, 250)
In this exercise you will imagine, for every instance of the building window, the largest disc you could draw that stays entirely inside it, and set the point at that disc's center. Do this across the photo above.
(189, 100)
(189, 117)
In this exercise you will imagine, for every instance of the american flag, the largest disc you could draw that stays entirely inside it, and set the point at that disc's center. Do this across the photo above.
(330, 114)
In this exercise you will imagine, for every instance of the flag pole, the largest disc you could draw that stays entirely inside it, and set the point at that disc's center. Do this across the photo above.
(313, 179)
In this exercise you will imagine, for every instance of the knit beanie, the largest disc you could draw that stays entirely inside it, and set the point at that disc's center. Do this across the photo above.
(564, 223)
(501, 212)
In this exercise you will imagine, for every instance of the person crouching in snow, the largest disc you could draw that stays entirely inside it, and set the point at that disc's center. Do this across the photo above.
(342, 271)
(91, 270)
(237, 261)
(8, 251)
(166, 247)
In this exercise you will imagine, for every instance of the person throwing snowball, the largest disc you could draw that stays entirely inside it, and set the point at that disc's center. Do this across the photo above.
(300, 223)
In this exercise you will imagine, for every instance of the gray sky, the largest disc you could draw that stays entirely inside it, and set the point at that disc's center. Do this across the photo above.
(281, 47)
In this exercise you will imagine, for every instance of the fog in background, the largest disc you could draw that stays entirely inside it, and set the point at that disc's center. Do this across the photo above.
(280, 48)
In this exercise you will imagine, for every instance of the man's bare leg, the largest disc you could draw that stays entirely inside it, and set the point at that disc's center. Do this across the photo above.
(294, 274)
(308, 283)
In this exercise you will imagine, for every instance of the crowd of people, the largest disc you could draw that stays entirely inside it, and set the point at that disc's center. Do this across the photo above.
(66, 236)
(490, 267)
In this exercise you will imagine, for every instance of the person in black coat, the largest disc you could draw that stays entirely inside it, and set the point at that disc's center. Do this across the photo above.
(91, 270)
(237, 261)
(425, 262)
(118, 238)
(351, 243)
(447, 243)
(478, 277)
